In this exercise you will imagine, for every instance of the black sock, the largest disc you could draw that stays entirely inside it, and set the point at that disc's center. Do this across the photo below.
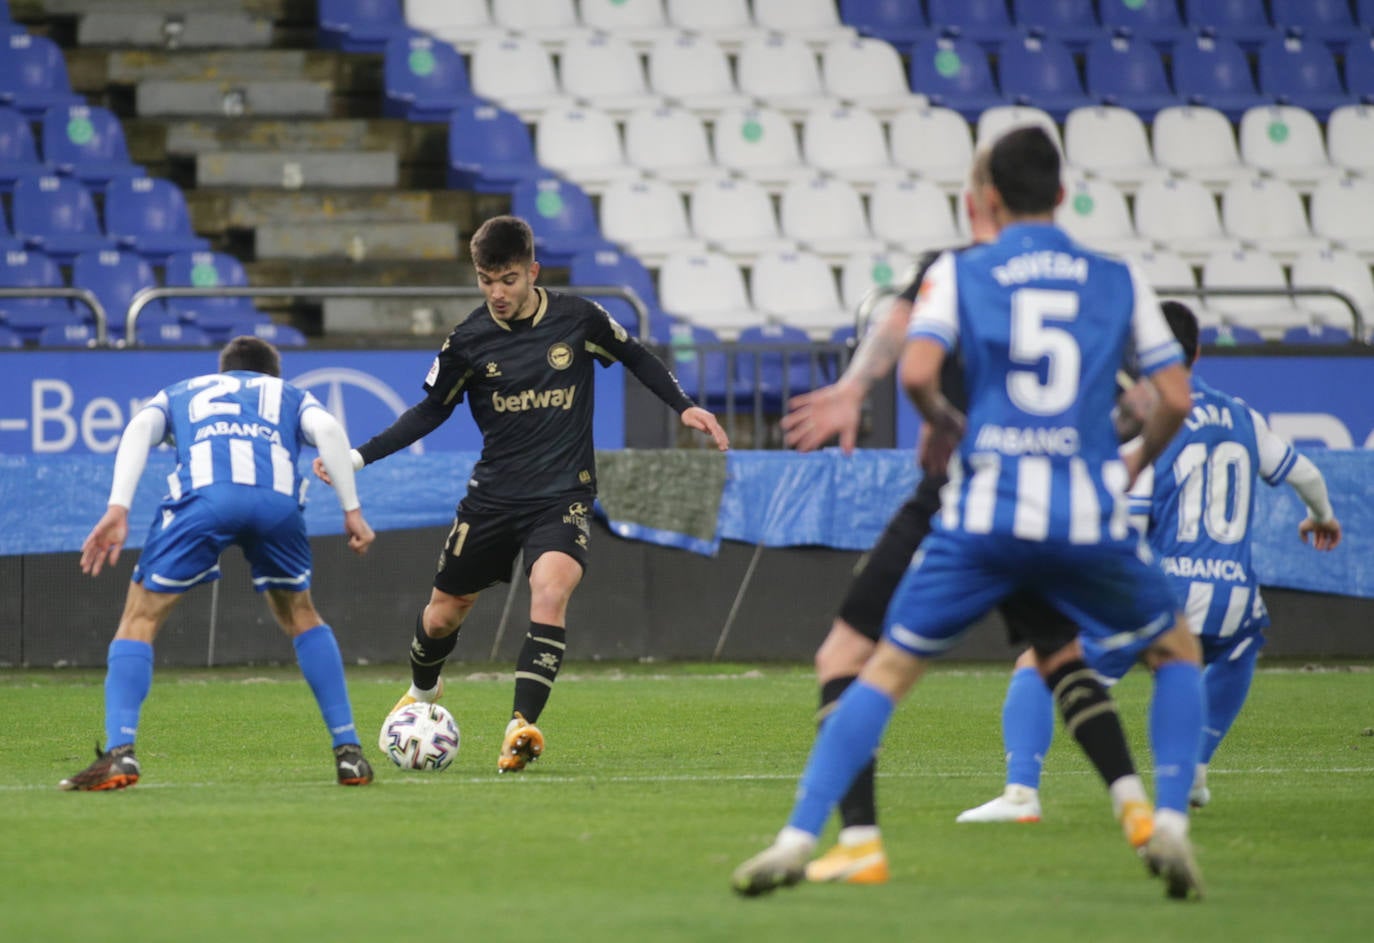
(535, 670)
(1090, 715)
(859, 806)
(427, 655)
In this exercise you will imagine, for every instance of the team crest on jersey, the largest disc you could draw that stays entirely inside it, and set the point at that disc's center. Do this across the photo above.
(560, 356)
(492, 369)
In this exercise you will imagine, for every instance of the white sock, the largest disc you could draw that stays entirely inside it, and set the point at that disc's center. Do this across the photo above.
(421, 694)
(1124, 790)
(1200, 776)
(1171, 822)
(791, 837)
(1019, 794)
(858, 834)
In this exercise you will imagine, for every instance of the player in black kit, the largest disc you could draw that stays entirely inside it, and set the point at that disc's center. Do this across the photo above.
(524, 361)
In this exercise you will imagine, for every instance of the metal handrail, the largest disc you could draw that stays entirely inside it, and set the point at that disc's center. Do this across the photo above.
(148, 295)
(1356, 316)
(84, 295)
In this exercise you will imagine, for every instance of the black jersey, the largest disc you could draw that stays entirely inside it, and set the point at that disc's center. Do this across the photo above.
(952, 370)
(530, 384)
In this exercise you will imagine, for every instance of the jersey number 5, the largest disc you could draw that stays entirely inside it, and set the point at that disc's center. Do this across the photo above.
(1033, 340)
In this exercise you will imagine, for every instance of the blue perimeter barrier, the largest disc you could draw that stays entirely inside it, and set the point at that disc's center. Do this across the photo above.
(778, 499)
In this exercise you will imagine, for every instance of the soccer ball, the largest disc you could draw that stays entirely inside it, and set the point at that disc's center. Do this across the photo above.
(420, 736)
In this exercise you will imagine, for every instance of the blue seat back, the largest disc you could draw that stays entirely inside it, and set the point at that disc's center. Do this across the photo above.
(18, 153)
(115, 277)
(206, 270)
(485, 141)
(1299, 71)
(79, 134)
(146, 206)
(66, 335)
(52, 205)
(359, 25)
(1245, 21)
(9, 340)
(172, 334)
(1040, 71)
(560, 213)
(1157, 21)
(1213, 70)
(953, 72)
(613, 267)
(776, 374)
(1127, 72)
(1359, 69)
(1072, 22)
(33, 74)
(987, 22)
(703, 374)
(419, 69)
(1317, 19)
(899, 22)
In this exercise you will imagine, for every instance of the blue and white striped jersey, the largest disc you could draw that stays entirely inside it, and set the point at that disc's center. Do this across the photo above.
(1043, 325)
(238, 428)
(1199, 499)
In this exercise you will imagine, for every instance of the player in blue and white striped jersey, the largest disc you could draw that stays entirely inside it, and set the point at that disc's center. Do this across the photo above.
(1195, 503)
(1035, 502)
(238, 436)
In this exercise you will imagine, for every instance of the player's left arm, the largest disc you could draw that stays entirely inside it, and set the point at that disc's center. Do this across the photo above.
(1278, 462)
(141, 436)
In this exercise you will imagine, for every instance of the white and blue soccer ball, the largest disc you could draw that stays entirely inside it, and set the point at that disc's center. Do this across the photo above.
(420, 736)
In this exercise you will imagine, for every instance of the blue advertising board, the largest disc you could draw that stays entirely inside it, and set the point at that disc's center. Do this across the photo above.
(78, 402)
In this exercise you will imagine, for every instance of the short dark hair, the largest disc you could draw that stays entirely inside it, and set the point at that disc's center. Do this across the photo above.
(502, 241)
(1024, 167)
(250, 353)
(1183, 323)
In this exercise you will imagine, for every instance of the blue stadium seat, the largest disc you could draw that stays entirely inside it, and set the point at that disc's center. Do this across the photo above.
(1129, 73)
(1302, 72)
(562, 217)
(613, 267)
(1316, 334)
(425, 79)
(703, 374)
(28, 316)
(172, 334)
(1326, 20)
(1155, 21)
(149, 215)
(66, 335)
(280, 335)
(18, 154)
(8, 241)
(954, 73)
(8, 339)
(1212, 71)
(115, 277)
(1245, 21)
(87, 142)
(1359, 70)
(33, 75)
(986, 22)
(771, 374)
(1364, 14)
(489, 150)
(1040, 71)
(359, 25)
(216, 316)
(1229, 335)
(57, 215)
(899, 22)
(1072, 22)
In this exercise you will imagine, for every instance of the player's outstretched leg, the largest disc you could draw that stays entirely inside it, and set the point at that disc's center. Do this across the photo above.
(1169, 855)
(781, 864)
(522, 745)
(1027, 731)
(427, 657)
(112, 769)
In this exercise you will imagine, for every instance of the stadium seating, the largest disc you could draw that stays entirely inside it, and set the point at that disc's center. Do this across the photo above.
(1130, 73)
(9, 242)
(1341, 211)
(867, 73)
(8, 339)
(280, 335)
(460, 23)
(1094, 213)
(1245, 21)
(1228, 335)
(826, 216)
(561, 215)
(1072, 22)
(359, 25)
(1315, 334)
(913, 215)
(1341, 270)
(552, 23)
(1040, 72)
(1155, 21)
(425, 79)
(736, 216)
(115, 277)
(798, 289)
(781, 72)
(149, 215)
(899, 22)
(647, 219)
(18, 153)
(1166, 270)
(583, 144)
(1180, 214)
(1286, 141)
(489, 150)
(606, 72)
(848, 143)
(1213, 71)
(933, 143)
(66, 335)
(1350, 138)
(999, 119)
(761, 144)
(1198, 143)
(1301, 72)
(1327, 21)
(954, 73)
(33, 75)
(218, 317)
(702, 370)
(28, 316)
(1111, 143)
(1249, 269)
(1359, 70)
(693, 71)
(57, 215)
(517, 73)
(87, 142)
(1268, 214)
(641, 23)
(775, 376)
(985, 22)
(172, 334)
(670, 143)
(707, 290)
(1364, 13)
(612, 267)
(727, 22)
(863, 272)
(814, 22)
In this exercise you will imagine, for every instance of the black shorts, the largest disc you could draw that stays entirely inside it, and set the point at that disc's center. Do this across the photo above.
(1030, 620)
(482, 545)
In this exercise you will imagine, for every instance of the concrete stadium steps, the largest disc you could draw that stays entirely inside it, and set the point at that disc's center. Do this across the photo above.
(294, 170)
(175, 98)
(217, 211)
(268, 9)
(179, 29)
(375, 240)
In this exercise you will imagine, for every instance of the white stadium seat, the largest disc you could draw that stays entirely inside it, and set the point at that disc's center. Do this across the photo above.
(868, 73)
(826, 216)
(1180, 214)
(606, 72)
(647, 219)
(694, 72)
(1198, 143)
(781, 72)
(1286, 142)
(798, 288)
(1111, 143)
(707, 289)
(848, 142)
(670, 143)
(933, 143)
(1267, 213)
(1249, 268)
(736, 216)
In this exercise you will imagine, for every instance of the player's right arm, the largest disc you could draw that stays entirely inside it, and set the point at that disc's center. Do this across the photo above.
(141, 436)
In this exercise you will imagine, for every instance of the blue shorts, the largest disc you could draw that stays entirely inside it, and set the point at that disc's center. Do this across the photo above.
(1112, 666)
(1117, 599)
(189, 534)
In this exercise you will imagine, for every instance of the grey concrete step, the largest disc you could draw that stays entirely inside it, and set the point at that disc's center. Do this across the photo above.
(92, 70)
(379, 272)
(209, 135)
(172, 98)
(295, 170)
(173, 29)
(429, 241)
(270, 9)
(215, 210)
(431, 317)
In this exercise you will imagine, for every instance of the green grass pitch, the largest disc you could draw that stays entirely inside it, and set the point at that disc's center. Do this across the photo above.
(657, 780)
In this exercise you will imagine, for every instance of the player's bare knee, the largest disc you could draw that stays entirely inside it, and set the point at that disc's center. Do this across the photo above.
(843, 652)
(445, 613)
(1177, 644)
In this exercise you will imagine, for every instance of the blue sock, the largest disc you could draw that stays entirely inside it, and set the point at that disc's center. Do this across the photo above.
(128, 677)
(845, 744)
(1176, 716)
(1226, 683)
(320, 661)
(1027, 726)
